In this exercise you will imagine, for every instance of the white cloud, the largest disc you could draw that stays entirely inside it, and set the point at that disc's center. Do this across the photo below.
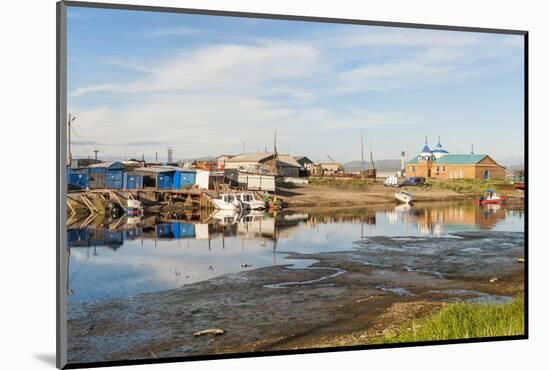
(211, 99)
(83, 90)
(171, 31)
(222, 67)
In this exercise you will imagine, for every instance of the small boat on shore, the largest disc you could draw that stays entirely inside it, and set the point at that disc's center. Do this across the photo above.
(228, 202)
(249, 201)
(133, 207)
(490, 197)
(404, 197)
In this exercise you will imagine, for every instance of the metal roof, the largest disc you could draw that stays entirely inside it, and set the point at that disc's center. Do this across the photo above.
(155, 169)
(250, 157)
(104, 164)
(460, 159)
(301, 157)
(455, 159)
(288, 161)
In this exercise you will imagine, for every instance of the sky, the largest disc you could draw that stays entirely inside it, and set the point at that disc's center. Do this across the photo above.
(139, 82)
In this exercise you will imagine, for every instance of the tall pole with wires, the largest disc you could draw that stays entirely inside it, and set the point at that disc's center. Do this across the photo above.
(69, 154)
(362, 158)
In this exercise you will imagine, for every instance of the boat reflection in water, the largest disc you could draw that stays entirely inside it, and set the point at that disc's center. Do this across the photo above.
(111, 258)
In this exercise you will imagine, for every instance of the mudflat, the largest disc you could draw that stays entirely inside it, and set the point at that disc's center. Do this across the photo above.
(345, 298)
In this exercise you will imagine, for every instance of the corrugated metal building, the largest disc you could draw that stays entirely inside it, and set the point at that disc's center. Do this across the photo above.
(106, 175)
(77, 178)
(161, 178)
(133, 180)
(184, 178)
(174, 230)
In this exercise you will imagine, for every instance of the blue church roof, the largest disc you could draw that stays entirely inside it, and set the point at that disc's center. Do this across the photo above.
(439, 147)
(426, 149)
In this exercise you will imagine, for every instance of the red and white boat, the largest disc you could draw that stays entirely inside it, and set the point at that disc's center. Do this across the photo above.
(490, 197)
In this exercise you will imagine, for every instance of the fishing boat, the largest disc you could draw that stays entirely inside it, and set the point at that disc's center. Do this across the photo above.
(133, 207)
(229, 202)
(404, 197)
(490, 197)
(226, 216)
(249, 202)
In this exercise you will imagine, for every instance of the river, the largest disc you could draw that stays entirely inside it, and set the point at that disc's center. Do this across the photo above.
(126, 257)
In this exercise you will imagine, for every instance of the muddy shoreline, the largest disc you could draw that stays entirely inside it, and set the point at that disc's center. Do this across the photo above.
(385, 281)
(302, 196)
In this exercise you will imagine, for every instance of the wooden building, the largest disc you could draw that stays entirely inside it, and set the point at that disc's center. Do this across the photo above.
(438, 164)
(264, 163)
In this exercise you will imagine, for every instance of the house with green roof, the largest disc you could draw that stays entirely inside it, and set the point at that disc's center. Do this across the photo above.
(439, 164)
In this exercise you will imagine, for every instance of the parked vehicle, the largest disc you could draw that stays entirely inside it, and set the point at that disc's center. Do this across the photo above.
(414, 181)
(250, 202)
(391, 181)
(490, 197)
(404, 197)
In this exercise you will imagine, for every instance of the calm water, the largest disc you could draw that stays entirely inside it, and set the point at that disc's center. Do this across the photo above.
(130, 256)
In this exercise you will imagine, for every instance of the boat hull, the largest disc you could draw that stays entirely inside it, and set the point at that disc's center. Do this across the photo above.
(403, 198)
(491, 201)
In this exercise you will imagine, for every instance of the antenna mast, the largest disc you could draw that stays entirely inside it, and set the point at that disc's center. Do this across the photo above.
(170, 155)
(362, 158)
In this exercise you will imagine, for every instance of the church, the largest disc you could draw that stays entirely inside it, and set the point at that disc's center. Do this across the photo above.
(439, 164)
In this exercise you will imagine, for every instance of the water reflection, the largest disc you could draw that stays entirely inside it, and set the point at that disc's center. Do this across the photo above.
(126, 256)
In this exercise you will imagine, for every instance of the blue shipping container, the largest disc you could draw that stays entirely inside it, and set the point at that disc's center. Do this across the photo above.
(114, 179)
(182, 230)
(133, 181)
(164, 230)
(165, 180)
(77, 178)
(113, 238)
(184, 179)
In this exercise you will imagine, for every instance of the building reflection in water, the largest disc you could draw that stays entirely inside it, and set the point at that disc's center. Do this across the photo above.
(435, 220)
(429, 219)
(114, 257)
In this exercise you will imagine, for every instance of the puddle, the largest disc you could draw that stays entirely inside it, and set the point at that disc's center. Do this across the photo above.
(479, 297)
(395, 290)
(307, 282)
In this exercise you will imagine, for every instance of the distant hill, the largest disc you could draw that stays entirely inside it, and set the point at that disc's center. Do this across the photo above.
(513, 163)
(381, 165)
(201, 159)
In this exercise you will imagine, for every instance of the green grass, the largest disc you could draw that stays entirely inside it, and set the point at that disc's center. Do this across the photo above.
(466, 186)
(462, 321)
(340, 183)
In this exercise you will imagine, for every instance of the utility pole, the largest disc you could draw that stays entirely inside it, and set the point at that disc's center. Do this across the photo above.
(371, 158)
(70, 155)
(362, 158)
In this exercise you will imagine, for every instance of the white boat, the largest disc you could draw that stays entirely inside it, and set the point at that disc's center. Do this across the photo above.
(227, 202)
(133, 207)
(226, 216)
(249, 201)
(402, 208)
(133, 204)
(404, 197)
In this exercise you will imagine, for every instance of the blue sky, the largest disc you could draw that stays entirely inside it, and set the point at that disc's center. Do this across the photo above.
(140, 81)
